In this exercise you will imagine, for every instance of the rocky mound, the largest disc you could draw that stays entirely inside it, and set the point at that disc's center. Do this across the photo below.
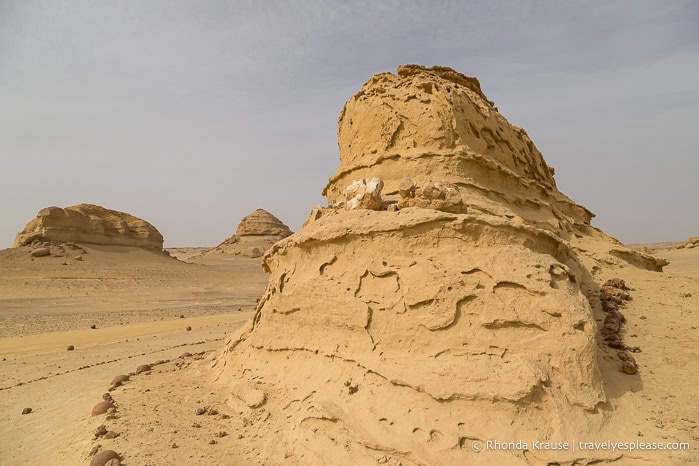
(87, 223)
(256, 233)
(260, 223)
(443, 299)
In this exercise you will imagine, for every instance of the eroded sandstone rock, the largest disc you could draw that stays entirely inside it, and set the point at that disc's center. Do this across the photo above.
(87, 223)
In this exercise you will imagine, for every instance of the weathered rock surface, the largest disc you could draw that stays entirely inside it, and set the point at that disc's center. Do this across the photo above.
(262, 222)
(364, 194)
(256, 233)
(87, 223)
(449, 326)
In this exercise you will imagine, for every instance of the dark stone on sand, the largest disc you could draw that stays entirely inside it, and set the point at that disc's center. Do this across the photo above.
(70, 348)
(103, 457)
(100, 431)
(143, 368)
(93, 326)
(119, 379)
(189, 328)
(111, 435)
(102, 407)
(629, 367)
(616, 283)
(185, 355)
(26, 410)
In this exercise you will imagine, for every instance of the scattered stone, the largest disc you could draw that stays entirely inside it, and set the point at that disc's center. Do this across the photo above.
(175, 445)
(41, 252)
(119, 379)
(255, 398)
(364, 194)
(212, 442)
(101, 430)
(189, 328)
(111, 435)
(70, 348)
(185, 355)
(196, 425)
(107, 397)
(221, 434)
(103, 457)
(616, 283)
(685, 295)
(143, 368)
(93, 326)
(102, 407)
(445, 197)
(212, 412)
(200, 411)
(26, 411)
(629, 367)
(95, 449)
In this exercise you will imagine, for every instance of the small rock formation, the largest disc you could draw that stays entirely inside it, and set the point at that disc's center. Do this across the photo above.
(431, 195)
(692, 242)
(89, 223)
(256, 233)
(364, 194)
(262, 223)
(413, 333)
(143, 368)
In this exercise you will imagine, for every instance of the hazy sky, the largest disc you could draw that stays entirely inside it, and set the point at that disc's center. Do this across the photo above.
(193, 114)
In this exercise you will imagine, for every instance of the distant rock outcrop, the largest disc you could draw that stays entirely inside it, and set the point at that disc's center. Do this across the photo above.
(405, 325)
(256, 233)
(261, 223)
(88, 223)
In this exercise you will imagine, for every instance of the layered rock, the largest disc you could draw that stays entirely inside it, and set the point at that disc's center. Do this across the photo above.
(256, 233)
(262, 223)
(406, 335)
(88, 223)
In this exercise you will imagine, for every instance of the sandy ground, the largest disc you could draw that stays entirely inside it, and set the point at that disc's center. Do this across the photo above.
(141, 304)
(179, 414)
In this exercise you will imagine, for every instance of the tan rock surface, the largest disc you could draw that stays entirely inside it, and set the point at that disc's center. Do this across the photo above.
(256, 233)
(87, 223)
(262, 222)
(409, 335)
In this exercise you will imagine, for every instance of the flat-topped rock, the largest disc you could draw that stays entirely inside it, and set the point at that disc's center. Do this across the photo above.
(88, 223)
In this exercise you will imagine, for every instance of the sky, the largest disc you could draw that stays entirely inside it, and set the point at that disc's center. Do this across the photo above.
(192, 115)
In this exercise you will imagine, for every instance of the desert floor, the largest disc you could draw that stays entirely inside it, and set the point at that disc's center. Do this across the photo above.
(141, 304)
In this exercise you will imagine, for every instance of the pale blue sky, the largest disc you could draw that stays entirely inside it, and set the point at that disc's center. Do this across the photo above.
(193, 114)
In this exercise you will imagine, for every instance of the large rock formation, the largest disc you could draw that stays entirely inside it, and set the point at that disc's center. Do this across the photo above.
(406, 335)
(256, 233)
(88, 223)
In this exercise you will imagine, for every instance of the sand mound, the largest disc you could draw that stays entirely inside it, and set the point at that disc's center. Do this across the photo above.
(256, 233)
(87, 223)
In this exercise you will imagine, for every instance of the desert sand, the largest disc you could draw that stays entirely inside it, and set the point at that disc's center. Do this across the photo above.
(448, 306)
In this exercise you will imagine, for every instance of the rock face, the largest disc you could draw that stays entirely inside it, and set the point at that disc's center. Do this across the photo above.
(408, 333)
(256, 233)
(87, 223)
(261, 223)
